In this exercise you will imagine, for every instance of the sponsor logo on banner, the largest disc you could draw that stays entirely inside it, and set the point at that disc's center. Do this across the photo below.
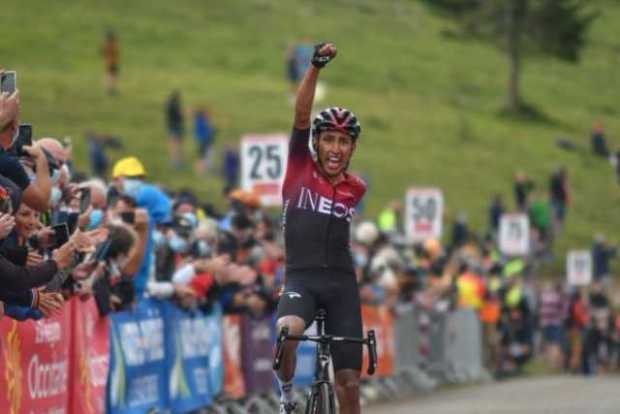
(34, 371)
(579, 267)
(423, 214)
(263, 166)
(514, 234)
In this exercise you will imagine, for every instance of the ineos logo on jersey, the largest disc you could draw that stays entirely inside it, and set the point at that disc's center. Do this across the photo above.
(313, 201)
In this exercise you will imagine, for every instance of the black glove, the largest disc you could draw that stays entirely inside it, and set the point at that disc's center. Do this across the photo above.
(318, 60)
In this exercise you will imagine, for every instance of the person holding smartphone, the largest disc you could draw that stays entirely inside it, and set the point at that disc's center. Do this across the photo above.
(35, 193)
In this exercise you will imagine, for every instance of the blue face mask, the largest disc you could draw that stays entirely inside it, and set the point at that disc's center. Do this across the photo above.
(202, 248)
(158, 238)
(131, 187)
(177, 244)
(95, 219)
(191, 217)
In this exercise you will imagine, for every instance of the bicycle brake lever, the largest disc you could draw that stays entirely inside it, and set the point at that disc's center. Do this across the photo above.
(372, 352)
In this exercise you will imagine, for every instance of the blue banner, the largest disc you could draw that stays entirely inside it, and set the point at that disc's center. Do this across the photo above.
(216, 352)
(137, 380)
(189, 342)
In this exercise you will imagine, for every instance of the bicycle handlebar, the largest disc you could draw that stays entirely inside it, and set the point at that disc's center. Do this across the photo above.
(370, 342)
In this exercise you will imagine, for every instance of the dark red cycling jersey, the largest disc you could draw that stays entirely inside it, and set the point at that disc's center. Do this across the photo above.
(317, 215)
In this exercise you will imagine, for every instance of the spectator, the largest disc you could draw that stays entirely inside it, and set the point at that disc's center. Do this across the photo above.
(230, 166)
(36, 192)
(460, 231)
(496, 209)
(176, 129)
(204, 133)
(292, 75)
(540, 220)
(602, 253)
(111, 58)
(552, 316)
(598, 142)
(390, 218)
(522, 188)
(97, 145)
(129, 175)
(559, 193)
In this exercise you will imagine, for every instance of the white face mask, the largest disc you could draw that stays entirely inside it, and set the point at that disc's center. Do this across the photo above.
(55, 196)
(131, 187)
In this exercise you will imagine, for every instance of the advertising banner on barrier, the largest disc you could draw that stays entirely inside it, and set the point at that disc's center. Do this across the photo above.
(216, 352)
(137, 381)
(257, 353)
(234, 385)
(187, 353)
(90, 358)
(34, 365)
(380, 319)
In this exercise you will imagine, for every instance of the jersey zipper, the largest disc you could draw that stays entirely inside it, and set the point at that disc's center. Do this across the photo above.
(329, 222)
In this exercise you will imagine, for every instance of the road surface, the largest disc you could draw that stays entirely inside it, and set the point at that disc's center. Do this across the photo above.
(546, 395)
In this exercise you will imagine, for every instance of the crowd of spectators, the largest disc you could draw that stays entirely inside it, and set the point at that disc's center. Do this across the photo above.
(65, 235)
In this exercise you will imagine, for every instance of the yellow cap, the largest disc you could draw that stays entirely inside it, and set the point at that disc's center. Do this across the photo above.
(128, 167)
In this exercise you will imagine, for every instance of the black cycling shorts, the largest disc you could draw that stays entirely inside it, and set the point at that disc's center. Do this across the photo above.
(336, 291)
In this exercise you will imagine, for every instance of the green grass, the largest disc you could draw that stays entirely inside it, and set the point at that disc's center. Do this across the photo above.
(429, 104)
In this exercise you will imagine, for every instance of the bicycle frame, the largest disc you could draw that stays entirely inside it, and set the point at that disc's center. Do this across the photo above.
(322, 394)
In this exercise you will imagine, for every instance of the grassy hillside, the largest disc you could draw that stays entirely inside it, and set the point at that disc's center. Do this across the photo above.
(429, 103)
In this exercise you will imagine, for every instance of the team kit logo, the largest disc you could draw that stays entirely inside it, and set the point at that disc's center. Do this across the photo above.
(313, 201)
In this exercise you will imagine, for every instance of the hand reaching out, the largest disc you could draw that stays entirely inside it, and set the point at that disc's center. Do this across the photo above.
(7, 223)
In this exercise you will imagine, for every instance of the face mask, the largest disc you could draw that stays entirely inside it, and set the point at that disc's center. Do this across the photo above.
(191, 217)
(202, 248)
(158, 238)
(95, 219)
(177, 244)
(55, 176)
(55, 196)
(131, 187)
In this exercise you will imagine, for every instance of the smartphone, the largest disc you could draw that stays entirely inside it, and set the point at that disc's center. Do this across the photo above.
(8, 82)
(72, 221)
(24, 138)
(128, 217)
(84, 199)
(61, 234)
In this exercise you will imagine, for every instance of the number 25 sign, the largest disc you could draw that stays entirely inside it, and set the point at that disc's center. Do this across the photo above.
(263, 165)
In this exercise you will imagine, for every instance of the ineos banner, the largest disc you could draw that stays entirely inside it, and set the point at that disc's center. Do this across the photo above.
(514, 234)
(423, 214)
(263, 165)
(35, 365)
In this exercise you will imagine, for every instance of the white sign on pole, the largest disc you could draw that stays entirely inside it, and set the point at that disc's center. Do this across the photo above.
(423, 214)
(263, 165)
(514, 234)
(579, 267)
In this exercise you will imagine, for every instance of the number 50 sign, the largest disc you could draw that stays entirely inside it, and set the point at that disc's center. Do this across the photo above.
(423, 214)
(263, 164)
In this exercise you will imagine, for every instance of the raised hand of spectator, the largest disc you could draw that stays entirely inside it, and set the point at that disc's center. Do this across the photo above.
(45, 237)
(84, 218)
(141, 221)
(33, 258)
(185, 294)
(9, 108)
(34, 151)
(7, 223)
(50, 303)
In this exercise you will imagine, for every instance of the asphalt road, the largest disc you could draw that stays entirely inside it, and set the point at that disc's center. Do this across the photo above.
(547, 395)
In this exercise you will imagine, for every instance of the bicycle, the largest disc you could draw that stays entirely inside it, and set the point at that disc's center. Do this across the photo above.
(321, 397)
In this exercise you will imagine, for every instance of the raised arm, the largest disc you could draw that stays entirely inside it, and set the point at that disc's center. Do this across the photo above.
(323, 53)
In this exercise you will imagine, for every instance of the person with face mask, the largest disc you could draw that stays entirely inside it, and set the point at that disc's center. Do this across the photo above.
(128, 177)
(36, 193)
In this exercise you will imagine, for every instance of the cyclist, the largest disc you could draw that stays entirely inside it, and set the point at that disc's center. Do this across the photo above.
(319, 199)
